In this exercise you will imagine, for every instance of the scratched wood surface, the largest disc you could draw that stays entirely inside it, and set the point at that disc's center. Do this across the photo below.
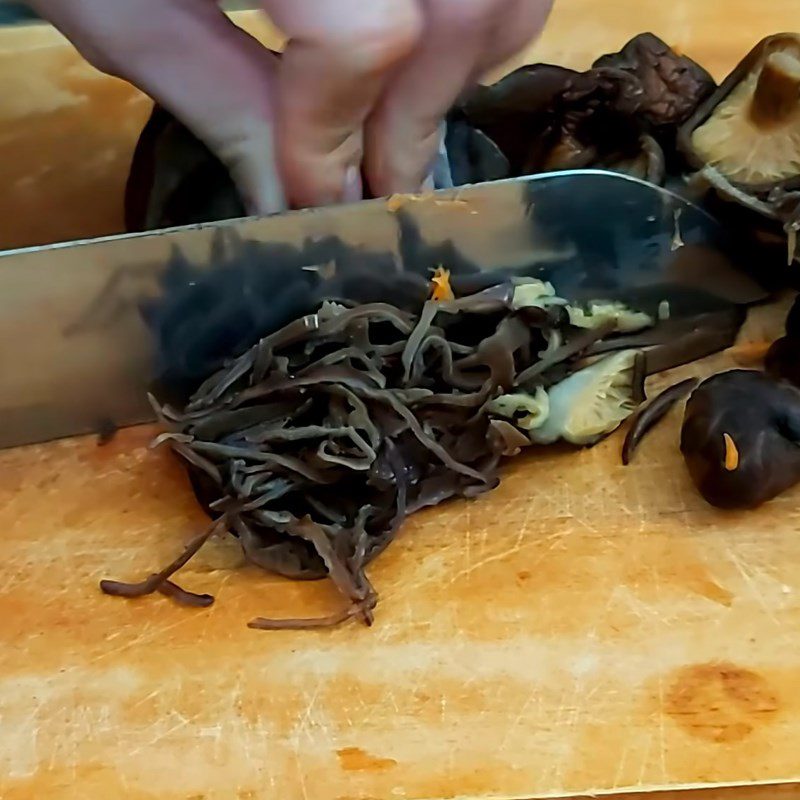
(586, 629)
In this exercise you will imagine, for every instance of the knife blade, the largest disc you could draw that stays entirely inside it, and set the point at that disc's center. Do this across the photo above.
(87, 327)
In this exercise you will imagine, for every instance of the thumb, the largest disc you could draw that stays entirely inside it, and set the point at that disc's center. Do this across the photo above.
(191, 59)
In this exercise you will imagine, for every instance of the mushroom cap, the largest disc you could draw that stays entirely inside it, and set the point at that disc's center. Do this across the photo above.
(673, 85)
(761, 416)
(749, 129)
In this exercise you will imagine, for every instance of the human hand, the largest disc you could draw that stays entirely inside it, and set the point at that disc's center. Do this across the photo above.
(361, 87)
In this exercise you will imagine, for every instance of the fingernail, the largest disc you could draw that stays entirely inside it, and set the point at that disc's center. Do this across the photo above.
(352, 191)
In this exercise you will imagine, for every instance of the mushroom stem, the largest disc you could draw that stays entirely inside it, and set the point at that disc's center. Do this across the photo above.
(778, 90)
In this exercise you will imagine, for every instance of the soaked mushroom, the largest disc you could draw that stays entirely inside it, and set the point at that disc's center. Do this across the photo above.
(749, 129)
(672, 84)
(618, 115)
(535, 294)
(741, 438)
(621, 115)
(514, 112)
(592, 402)
(526, 411)
(473, 157)
(597, 313)
(175, 179)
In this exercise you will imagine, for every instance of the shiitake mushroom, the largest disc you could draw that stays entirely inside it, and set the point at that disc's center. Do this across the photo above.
(749, 129)
(592, 402)
(673, 85)
(175, 179)
(740, 438)
(744, 141)
(622, 114)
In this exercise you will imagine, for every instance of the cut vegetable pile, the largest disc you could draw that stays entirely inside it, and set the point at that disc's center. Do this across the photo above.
(313, 445)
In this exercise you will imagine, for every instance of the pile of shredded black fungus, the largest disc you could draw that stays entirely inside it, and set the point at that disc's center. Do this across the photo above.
(314, 445)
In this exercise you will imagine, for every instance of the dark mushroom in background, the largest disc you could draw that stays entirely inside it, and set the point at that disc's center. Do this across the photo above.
(175, 179)
(515, 112)
(741, 438)
(473, 157)
(621, 114)
(673, 85)
(745, 142)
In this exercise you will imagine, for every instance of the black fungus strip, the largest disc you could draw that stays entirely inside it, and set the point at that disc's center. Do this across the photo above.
(185, 597)
(639, 376)
(318, 623)
(691, 347)
(153, 583)
(415, 340)
(575, 346)
(650, 415)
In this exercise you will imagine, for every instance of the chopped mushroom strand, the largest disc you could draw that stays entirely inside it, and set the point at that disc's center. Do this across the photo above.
(592, 402)
(598, 313)
(526, 411)
(535, 294)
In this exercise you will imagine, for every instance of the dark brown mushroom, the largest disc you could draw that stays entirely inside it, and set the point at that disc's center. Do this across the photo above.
(618, 115)
(473, 157)
(175, 179)
(673, 85)
(783, 359)
(622, 114)
(515, 112)
(741, 438)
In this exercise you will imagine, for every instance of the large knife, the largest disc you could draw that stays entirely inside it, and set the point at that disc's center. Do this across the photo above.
(88, 327)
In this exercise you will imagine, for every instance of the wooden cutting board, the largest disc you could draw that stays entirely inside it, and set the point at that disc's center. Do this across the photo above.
(586, 628)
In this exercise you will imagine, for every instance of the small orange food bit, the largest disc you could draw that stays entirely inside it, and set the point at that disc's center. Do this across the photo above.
(440, 285)
(731, 453)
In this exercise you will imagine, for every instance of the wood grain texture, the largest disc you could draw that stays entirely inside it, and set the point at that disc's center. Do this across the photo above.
(587, 629)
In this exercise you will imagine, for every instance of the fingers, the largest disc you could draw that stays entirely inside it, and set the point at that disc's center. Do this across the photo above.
(187, 55)
(360, 82)
(518, 25)
(462, 38)
(332, 73)
(403, 135)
